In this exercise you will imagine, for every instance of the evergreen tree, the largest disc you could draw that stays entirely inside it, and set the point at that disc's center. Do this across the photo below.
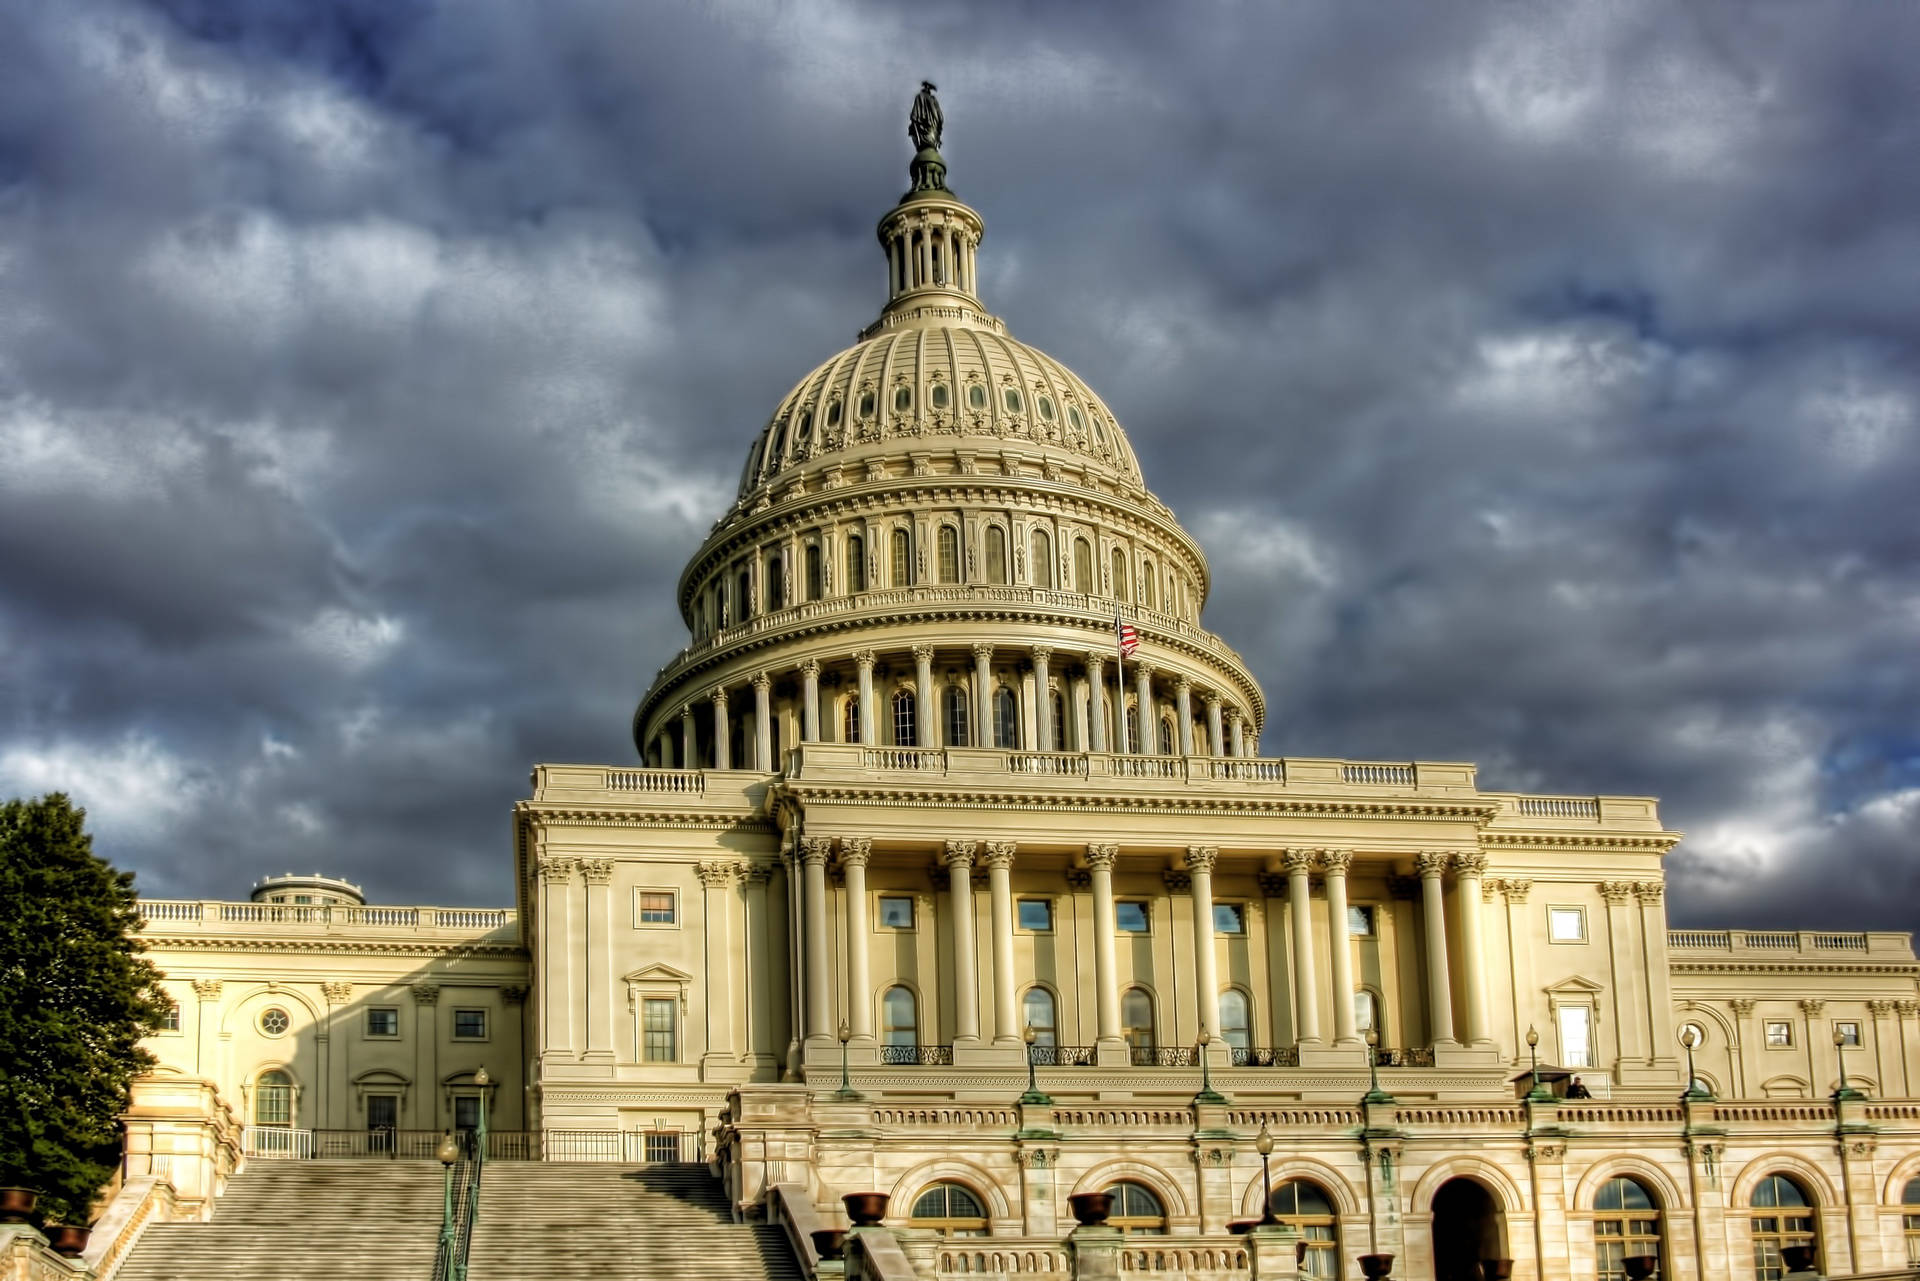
(75, 999)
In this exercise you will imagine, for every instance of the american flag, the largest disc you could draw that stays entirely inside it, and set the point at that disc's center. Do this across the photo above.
(1129, 639)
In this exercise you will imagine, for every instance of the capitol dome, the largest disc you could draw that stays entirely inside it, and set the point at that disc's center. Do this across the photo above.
(936, 538)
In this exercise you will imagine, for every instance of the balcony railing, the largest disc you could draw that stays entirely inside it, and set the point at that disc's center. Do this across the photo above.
(1780, 943)
(276, 1143)
(1169, 1056)
(1273, 1056)
(917, 1055)
(325, 916)
(1415, 1057)
(1061, 1055)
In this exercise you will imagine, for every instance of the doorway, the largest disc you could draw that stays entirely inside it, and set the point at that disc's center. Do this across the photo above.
(1467, 1228)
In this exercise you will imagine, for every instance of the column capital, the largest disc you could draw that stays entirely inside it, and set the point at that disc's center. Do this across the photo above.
(513, 994)
(718, 874)
(1144, 668)
(1811, 1008)
(337, 993)
(1616, 891)
(999, 854)
(756, 873)
(983, 652)
(1431, 863)
(686, 711)
(1879, 1009)
(1201, 858)
(426, 993)
(1272, 884)
(598, 871)
(959, 854)
(1741, 1006)
(1042, 653)
(1079, 878)
(1297, 862)
(1906, 1008)
(1517, 890)
(816, 850)
(556, 870)
(923, 653)
(1469, 865)
(866, 658)
(810, 667)
(1096, 658)
(1101, 854)
(719, 697)
(1649, 892)
(1176, 882)
(207, 989)
(1183, 684)
(855, 851)
(1336, 862)
(762, 682)
(1212, 699)
(1233, 716)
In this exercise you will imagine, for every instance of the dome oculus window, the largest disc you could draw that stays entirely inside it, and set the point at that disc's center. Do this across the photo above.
(274, 1021)
(939, 394)
(1046, 408)
(1011, 399)
(976, 397)
(902, 399)
(866, 404)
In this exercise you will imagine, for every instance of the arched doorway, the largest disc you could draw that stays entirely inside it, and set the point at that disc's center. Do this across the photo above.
(1466, 1229)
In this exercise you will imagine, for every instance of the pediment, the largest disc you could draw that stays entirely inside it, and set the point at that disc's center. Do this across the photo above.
(381, 1076)
(1574, 985)
(658, 973)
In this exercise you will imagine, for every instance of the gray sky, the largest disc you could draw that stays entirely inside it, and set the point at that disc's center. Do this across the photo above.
(1542, 381)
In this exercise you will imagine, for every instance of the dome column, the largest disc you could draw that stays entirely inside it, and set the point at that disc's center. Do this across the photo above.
(1096, 700)
(763, 722)
(722, 748)
(865, 660)
(1042, 701)
(966, 970)
(923, 692)
(1215, 739)
(810, 701)
(688, 740)
(1183, 713)
(1237, 729)
(983, 695)
(1143, 703)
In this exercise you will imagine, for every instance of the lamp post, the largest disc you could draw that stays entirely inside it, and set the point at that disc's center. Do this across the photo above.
(1690, 1037)
(846, 1093)
(1374, 1093)
(482, 1080)
(1033, 1094)
(1539, 1093)
(1264, 1146)
(1207, 1093)
(449, 1154)
(1840, 1052)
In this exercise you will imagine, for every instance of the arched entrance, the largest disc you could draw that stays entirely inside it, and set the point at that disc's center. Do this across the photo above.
(1467, 1228)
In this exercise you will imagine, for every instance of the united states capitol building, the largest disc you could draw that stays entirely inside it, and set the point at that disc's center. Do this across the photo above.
(1065, 918)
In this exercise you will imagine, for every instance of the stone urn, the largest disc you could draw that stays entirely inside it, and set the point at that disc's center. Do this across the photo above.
(1496, 1269)
(66, 1240)
(866, 1209)
(16, 1204)
(1240, 1227)
(1374, 1267)
(829, 1243)
(1090, 1209)
(1639, 1267)
(1798, 1258)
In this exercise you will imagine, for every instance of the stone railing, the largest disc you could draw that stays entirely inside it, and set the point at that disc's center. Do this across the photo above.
(656, 780)
(140, 1200)
(1190, 1258)
(216, 916)
(1827, 946)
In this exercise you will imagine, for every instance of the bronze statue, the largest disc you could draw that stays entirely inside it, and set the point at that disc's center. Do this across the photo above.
(923, 124)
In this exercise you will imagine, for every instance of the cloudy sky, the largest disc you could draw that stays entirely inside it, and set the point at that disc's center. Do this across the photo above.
(1542, 381)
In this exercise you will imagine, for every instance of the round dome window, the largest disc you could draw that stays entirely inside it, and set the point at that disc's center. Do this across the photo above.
(274, 1021)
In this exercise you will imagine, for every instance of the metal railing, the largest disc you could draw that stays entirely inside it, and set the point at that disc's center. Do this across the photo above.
(276, 1142)
(419, 1145)
(624, 1147)
(1061, 1055)
(1414, 1057)
(1164, 1056)
(1271, 1056)
(917, 1055)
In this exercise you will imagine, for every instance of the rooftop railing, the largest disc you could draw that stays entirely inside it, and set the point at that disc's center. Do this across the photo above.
(1784, 943)
(325, 917)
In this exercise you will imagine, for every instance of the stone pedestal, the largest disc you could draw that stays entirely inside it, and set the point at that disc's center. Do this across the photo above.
(1273, 1251)
(1093, 1254)
(180, 1130)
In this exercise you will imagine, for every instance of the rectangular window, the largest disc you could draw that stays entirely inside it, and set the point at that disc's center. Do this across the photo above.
(1130, 917)
(383, 1112)
(654, 907)
(662, 1145)
(383, 1020)
(1229, 918)
(1567, 924)
(469, 1025)
(657, 1018)
(1576, 1046)
(1360, 921)
(896, 912)
(1036, 914)
(466, 1111)
(170, 1022)
(1779, 1035)
(1848, 1034)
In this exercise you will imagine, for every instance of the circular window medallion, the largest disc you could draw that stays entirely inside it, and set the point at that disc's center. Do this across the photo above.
(274, 1021)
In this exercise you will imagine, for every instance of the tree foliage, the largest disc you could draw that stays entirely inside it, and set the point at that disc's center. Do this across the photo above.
(75, 999)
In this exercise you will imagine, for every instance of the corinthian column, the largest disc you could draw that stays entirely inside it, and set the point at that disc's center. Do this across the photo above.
(687, 739)
(722, 749)
(1306, 987)
(598, 951)
(814, 853)
(1042, 701)
(1143, 700)
(556, 970)
(1183, 713)
(1106, 989)
(1200, 861)
(1096, 701)
(983, 695)
(1439, 984)
(763, 722)
(1215, 741)
(1340, 939)
(1469, 868)
(923, 719)
(810, 701)
(855, 851)
(999, 861)
(966, 971)
(864, 660)
(717, 880)
(1239, 732)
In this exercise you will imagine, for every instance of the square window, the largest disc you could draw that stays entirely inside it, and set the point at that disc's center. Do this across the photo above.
(469, 1025)
(170, 1022)
(1779, 1035)
(1130, 917)
(657, 1027)
(1848, 1034)
(655, 907)
(1567, 924)
(383, 1020)
(1036, 914)
(1360, 921)
(896, 912)
(1229, 918)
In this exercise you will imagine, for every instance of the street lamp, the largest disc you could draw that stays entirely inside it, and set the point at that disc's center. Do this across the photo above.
(1207, 1093)
(449, 1154)
(1539, 1093)
(1264, 1146)
(1033, 1094)
(1374, 1093)
(1690, 1037)
(846, 1093)
(1840, 1052)
(482, 1080)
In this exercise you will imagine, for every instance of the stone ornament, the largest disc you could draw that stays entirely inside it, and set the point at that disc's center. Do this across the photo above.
(1102, 855)
(855, 851)
(1432, 863)
(426, 993)
(999, 854)
(1297, 861)
(1336, 862)
(207, 989)
(717, 875)
(816, 851)
(597, 871)
(337, 993)
(1469, 866)
(959, 853)
(557, 870)
(1201, 858)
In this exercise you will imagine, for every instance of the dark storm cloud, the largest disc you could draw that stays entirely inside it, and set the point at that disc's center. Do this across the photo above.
(1542, 382)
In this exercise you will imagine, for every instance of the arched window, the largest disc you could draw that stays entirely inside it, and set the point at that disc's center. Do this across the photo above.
(1136, 1210)
(744, 596)
(1037, 1008)
(273, 1099)
(1146, 584)
(776, 587)
(902, 567)
(904, 733)
(1040, 566)
(1083, 567)
(899, 1020)
(949, 554)
(1133, 743)
(956, 716)
(816, 576)
(1236, 1025)
(856, 563)
(1307, 1207)
(1365, 1011)
(1626, 1223)
(1911, 1200)
(1136, 1024)
(1121, 587)
(1006, 719)
(996, 554)
(1782, 1217)
(1166, 736)
(850, 724)
(1059, 725)
(949, 1210)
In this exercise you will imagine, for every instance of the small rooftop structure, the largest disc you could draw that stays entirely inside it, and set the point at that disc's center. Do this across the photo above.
(290, 887)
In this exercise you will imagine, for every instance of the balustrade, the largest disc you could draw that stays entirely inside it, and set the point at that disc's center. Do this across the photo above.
(917, 1055)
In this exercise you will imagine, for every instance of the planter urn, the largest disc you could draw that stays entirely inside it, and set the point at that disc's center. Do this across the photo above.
(1375, 1267)
(1090, 1209)
(1496, 1269)
(829, 1243)
(1240, 1227)
(1798, 1258)
(1639, 1267)
(16, 1204)
(866, 1209)
(66, 1240)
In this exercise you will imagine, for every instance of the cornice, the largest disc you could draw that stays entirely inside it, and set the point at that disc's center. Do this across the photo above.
(244, 943)
(1081, 803)
(1659, 842)
(1909, 969)
(590, 815)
